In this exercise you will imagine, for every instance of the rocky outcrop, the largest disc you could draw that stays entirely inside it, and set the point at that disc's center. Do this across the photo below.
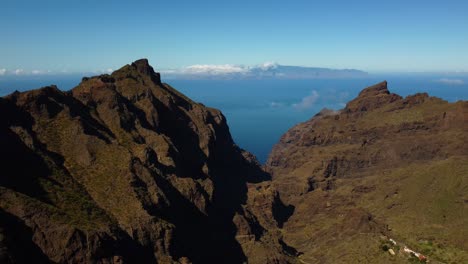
(380, 165)
(125, 169)
(371, 98)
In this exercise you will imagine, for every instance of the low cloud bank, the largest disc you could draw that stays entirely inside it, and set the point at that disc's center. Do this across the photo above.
(451, 81)
(213, 69)
(220, 69)
(307, 102)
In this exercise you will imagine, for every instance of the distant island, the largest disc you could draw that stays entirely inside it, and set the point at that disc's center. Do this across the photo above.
(262, 71)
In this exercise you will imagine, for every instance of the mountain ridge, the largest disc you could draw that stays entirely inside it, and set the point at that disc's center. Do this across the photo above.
(383, 167)
(124, 168)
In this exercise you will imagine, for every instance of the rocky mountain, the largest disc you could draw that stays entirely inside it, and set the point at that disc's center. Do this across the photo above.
(383, 167)
(125, 169)
(263, 71)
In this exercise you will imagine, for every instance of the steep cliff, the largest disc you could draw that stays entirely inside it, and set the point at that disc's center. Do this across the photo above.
(125, 169)
(382, 166)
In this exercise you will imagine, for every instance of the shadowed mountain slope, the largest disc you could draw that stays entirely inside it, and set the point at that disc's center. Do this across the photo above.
(125, 169)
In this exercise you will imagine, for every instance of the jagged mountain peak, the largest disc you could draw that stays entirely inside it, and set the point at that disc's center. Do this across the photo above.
(376, 89)
(138, 70)
(372, 97)
(143, 66)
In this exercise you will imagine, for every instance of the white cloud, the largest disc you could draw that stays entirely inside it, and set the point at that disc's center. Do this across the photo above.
(104, 71)
(451, 81)
(18, 71)
(276, 104)
(268, 65)
(220, 69)
(169, 71)
(307, 102)
(214, 69)
(38, 72)
(23, 72)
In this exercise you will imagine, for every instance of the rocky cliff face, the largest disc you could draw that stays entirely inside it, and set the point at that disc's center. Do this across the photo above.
(382, 166)
(125, 169)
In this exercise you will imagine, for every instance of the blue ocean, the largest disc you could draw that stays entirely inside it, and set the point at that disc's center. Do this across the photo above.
(260, 111)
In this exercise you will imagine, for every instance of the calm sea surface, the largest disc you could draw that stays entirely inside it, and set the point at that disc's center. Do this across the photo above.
(260, 111)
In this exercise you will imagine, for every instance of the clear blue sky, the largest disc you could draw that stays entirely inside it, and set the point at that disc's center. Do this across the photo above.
(372, 35)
